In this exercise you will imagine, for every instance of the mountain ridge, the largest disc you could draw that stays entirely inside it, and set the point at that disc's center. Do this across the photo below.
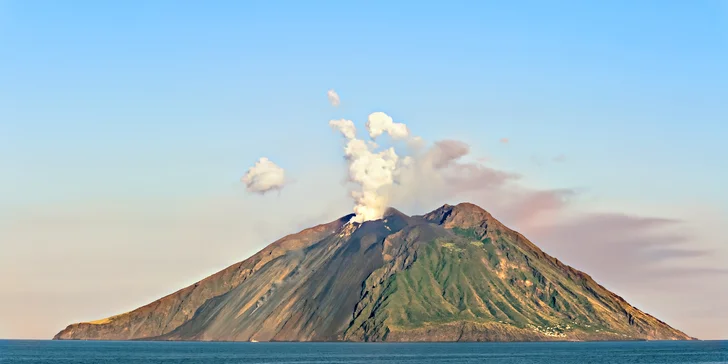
(453, 274)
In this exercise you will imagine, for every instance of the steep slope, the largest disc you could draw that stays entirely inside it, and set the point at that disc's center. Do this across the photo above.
(307, 295)
(455, 274)
(169, 312)
(494, 285)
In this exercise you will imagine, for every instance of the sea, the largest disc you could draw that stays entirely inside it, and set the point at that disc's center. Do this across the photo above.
(96, 352)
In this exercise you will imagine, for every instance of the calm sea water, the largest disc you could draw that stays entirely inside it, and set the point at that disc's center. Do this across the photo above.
(89, 352)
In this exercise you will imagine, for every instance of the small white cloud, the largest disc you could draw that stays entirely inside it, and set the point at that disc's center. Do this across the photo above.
(264, 176)
(333, 98)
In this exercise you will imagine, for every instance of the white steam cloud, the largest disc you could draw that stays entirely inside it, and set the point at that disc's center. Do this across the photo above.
(333, 98)
(373, 171)
(379, 123)
(419, 176)
(264, 176)
(346, 127)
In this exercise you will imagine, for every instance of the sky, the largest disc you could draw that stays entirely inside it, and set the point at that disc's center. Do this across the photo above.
(125, 129)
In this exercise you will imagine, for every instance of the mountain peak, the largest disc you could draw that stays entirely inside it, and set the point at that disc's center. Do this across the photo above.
(464, 215)
(454, 274)
(391, 211)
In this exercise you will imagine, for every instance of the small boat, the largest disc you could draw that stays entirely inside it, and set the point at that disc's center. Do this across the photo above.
(253, 341)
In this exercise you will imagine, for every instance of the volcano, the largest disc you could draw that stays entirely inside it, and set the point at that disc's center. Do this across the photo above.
(454, 274)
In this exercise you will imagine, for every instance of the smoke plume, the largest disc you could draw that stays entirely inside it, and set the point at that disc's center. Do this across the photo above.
(379, 123)
(333, 98)
(372, 171)
(420, 173)
(264, 176)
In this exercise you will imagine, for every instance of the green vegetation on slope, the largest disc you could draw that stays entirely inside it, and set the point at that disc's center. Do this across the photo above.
(486, 280)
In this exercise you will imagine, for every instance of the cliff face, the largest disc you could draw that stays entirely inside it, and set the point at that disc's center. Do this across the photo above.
(455, 274)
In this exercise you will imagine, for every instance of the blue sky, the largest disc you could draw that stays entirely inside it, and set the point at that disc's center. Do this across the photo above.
(615, 87)
(114, 101)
